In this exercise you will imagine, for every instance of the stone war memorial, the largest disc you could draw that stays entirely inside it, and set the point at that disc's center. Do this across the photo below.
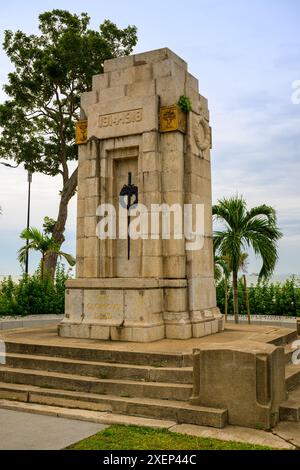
(142, 335)
(135, 129)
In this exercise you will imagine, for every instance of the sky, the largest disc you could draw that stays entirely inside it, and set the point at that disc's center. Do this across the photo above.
(246, 56)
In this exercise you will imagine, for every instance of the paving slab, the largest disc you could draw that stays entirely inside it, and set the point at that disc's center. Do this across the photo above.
(25, 431)
(229, 433)
(289, 431)
(237, 434)
(233, 333)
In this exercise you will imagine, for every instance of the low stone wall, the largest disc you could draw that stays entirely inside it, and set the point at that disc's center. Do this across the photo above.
(246, 378)
(9, 323)
(287, 322)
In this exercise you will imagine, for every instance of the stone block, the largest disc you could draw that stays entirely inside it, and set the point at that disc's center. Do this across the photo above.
(74, 304)
(180, 331)
(169, 90)
(100, 81)
(80, 247)
(90, 206)
(150, 161)
(169, 68)
(202, 293)
(139, 335)
(103, 306)
(118, 63)
(191, 82)
(152, 266)
(157, 56)
(251, 386)
(172, 180)
(88, 99)
(90, 224)
(198, 330)
(174, 266)
(91, 187)
(79, 267)
(90, 267)
(139, 305)
(175, 300)
(151, 181)
(112, 93)
(123, 116)
(100, 332)
(80, 227)
(141, 88)
(150, 141)
(80, 331)
(91, 246)
(152, 247)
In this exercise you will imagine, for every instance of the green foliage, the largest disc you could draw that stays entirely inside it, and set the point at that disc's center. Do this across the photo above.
(256, 228)
(185, 104)
(33, 295)
(51, 71)
(264, 298)
(44, 244)
(48, 225)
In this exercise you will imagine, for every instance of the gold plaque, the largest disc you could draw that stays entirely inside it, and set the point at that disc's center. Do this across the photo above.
(81, 132)
(171, 118)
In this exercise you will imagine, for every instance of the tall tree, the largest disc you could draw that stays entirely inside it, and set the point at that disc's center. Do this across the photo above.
(255, 228)
(51, 70)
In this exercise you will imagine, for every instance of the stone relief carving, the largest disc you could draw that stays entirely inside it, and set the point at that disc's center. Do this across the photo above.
(201, 133)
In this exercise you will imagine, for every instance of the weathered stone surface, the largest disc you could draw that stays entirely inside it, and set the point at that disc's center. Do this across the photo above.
(246, 378)
(165, 289)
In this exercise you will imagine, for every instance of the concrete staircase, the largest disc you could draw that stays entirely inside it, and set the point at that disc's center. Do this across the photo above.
(124, 382)
(151, 385)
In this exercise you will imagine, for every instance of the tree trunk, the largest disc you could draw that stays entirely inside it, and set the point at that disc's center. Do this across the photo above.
(247, 299)
(235, 296)
(68, 192)
(226, 297)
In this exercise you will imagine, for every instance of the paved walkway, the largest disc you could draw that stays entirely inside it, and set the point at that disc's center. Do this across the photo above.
(286, 435)
(27, 431)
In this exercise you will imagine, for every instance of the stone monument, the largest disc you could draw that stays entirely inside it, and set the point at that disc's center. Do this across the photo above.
(141, 145)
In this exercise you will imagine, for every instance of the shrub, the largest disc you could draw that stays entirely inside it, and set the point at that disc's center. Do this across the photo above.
(33, 295)
(265, 298)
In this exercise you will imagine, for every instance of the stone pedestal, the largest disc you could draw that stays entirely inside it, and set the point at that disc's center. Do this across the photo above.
(136, 127)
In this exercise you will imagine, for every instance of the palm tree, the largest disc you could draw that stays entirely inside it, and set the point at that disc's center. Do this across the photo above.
(255, 228)
(39, 241)
(222, 268)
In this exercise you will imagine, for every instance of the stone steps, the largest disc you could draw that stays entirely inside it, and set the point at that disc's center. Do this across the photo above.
(117, 387)
(290, 409)
(292, 376)
(102, 370)
(97, 354)
(178, 411)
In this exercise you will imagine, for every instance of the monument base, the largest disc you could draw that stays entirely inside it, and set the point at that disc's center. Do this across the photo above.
(133, 309)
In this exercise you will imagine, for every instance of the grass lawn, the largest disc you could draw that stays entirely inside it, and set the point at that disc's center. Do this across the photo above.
(119, 437)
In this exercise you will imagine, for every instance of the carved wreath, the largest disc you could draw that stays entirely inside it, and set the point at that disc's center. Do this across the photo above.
(201, 131)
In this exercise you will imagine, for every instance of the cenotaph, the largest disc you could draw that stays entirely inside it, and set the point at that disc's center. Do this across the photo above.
(141, 147)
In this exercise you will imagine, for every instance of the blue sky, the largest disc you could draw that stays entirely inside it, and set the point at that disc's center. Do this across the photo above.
(246, 56)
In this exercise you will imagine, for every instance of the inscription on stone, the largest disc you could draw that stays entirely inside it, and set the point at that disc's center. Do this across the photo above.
(118, 119)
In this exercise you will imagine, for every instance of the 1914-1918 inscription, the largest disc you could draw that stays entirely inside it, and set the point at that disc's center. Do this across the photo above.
(122, 118)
